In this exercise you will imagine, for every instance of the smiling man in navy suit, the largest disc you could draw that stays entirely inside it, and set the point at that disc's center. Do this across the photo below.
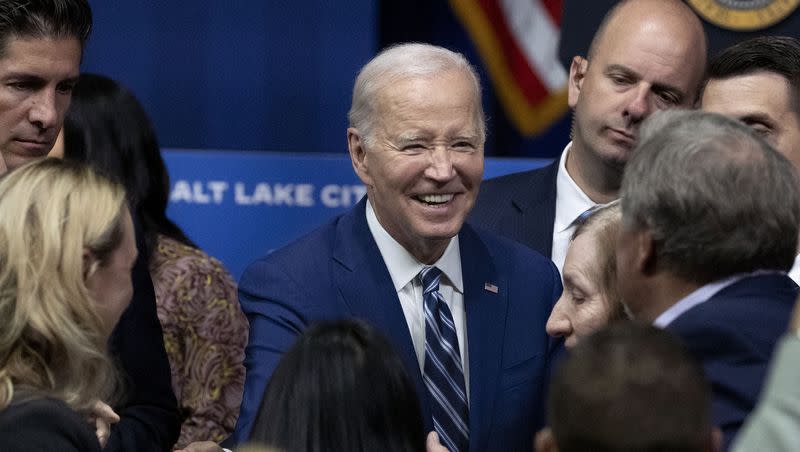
(465, 309)
(710, 216)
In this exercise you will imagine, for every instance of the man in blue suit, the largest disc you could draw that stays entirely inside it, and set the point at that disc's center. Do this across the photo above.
(416, 141)
(647, 55)
(710, 216)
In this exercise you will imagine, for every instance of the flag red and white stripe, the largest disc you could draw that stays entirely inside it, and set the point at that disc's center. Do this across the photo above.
(518, 42)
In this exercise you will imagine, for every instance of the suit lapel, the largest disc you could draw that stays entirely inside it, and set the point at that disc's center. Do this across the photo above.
(367, 290)
(537, 197)
(485, 312)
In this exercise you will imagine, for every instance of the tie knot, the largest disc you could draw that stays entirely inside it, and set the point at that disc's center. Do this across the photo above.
(430, 279)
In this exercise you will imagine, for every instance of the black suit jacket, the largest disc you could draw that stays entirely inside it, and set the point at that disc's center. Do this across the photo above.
(521, 206)
(150, 420)
(733, 335)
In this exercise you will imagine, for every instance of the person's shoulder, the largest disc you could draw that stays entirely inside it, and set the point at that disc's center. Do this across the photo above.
(39, 406)
(520, 181)
(764, 296)
(173, 260)
(510, 253)
(41, 423)
(750, 314)
(302, 259)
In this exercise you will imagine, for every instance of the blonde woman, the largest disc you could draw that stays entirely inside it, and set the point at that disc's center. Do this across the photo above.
(67, 247)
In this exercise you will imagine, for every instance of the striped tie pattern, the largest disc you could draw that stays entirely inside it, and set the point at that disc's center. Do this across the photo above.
(443, 373)
(586, 214)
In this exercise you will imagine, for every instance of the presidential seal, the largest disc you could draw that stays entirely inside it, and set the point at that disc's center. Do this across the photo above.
(744, 15)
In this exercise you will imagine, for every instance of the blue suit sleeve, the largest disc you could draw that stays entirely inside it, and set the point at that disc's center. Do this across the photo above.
(271, 300)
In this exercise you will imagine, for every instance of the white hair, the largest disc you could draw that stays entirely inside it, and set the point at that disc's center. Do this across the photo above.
(399, 62)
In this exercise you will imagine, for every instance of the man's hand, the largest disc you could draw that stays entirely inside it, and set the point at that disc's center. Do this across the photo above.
(432, 444)
(202, 446)
(794, 325)
(101, 417)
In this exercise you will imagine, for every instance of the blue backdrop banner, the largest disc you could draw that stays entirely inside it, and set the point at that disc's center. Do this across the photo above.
(238, 206)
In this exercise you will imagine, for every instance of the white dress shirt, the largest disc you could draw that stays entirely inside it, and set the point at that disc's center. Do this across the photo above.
(794, 273)
(571, 202)
(699, 296)
(404, 268)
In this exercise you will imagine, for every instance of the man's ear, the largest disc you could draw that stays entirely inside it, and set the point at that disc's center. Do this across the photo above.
(646, 261)
(577, 74)
(358, 155)
(545, 441)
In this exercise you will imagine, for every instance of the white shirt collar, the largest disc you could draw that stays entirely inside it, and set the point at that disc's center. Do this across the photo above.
(700, 296)
(571, 201)
(402, 266)
(794, 273)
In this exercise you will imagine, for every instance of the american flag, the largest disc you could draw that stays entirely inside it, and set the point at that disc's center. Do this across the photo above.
(518, 42)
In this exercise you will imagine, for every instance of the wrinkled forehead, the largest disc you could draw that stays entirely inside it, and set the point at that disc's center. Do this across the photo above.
(671, 41)
(449, 98)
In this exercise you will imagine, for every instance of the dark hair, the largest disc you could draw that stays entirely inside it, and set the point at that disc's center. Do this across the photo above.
(44, 19)
(108, 128)
(706, 188)
(630, 387)
(776, 54)
(341, 386)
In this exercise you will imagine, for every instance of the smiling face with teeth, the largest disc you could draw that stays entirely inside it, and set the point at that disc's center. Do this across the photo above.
(423, 166)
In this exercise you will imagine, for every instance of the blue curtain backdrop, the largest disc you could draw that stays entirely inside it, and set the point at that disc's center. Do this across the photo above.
(271, 75)
(277, 75)
(244, 74)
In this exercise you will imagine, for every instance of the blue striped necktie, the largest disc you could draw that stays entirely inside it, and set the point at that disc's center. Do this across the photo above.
(443, 372)
(586, 214)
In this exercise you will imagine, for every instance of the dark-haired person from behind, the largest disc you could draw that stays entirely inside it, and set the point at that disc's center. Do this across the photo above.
(204, 329)
(629, 388)
(341, 386)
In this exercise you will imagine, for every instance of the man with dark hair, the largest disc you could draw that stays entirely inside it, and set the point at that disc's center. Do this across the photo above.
(631, 388)
(758, 82)
(40, 50)
(41, 43)
(705, 245)
(648, 55)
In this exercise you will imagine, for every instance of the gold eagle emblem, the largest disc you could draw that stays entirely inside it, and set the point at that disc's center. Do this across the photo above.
(744, 15)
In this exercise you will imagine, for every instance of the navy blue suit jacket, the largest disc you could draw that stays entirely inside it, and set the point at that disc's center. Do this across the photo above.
(733, 335)
(338, 272)
(521, 206)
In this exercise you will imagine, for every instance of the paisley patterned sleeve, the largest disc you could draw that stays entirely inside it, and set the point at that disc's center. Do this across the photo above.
(205, 334)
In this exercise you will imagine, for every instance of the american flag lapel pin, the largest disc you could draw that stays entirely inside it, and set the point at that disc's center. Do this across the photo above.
(490, 287)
